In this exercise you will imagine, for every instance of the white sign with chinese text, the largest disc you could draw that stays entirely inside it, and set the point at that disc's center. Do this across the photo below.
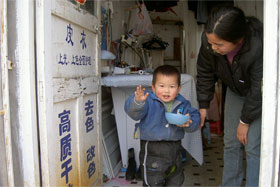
(73, 49)
(68, 94)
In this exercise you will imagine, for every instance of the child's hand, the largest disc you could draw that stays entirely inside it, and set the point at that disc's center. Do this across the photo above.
(188, 122)
(139, 94)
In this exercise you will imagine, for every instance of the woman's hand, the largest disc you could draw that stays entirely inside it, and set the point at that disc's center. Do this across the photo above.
(203, 114)
(139, 94)
(241, 132)
(188, 122)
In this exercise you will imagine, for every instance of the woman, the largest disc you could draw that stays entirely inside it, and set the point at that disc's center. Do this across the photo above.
(232, 50)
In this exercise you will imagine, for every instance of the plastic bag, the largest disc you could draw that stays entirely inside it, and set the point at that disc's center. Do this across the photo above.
(140, 21)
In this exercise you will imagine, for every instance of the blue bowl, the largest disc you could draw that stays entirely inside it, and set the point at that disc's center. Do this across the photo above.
(176, 119)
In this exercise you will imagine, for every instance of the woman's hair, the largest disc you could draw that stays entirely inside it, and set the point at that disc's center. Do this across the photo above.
(231, 24)
(168, 71)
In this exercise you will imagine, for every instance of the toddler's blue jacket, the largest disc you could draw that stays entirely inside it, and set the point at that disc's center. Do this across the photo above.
(153, 125)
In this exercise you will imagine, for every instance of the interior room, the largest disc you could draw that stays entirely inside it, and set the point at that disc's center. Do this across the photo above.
(132, 46)
(68, 66)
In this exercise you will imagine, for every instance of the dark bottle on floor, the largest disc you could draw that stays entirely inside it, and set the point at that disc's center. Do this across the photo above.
(131, 168)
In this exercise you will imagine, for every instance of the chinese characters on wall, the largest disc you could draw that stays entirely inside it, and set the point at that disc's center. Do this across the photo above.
(64, 130)
(74, 59)
(65, 144)
(75, 52)
(89, 124)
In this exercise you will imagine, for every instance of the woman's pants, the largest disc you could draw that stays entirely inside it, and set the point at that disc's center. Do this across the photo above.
(233, 150)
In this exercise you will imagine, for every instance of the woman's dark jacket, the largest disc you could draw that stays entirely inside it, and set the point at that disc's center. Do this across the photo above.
(243, 76)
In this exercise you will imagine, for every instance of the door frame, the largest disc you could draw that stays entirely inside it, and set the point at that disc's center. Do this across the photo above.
(270, 142)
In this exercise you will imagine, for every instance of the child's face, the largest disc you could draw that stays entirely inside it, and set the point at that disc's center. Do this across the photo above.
(166, 88)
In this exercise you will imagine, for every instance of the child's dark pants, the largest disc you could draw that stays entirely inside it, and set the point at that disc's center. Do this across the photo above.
(160, 163)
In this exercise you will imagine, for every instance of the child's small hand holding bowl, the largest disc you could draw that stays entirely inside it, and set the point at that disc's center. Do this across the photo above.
(188, 122)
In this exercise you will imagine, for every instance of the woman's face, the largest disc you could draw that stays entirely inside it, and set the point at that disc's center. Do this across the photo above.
(220, 46)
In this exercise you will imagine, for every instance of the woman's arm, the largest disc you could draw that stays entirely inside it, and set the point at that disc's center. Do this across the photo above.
(253, 103)
(206, 78)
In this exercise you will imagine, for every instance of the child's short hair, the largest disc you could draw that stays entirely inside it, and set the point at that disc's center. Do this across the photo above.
(166, 70)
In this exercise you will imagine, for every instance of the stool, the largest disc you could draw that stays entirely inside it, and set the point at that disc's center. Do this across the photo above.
(216, 127)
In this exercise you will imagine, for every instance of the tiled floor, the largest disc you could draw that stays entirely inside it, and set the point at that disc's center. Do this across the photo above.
(208, 174)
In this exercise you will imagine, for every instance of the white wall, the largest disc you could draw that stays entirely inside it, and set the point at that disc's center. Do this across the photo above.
(12, 39)
(3, 170)
(251, 8)
(119, 24)
(193, 32)
(22, 92)
(167, 33)
(167, 28)
(120, 17)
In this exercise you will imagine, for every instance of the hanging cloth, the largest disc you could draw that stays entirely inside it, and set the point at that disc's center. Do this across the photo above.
(140, 21)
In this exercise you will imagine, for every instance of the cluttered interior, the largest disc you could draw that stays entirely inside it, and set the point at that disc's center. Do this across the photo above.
(136, 38)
